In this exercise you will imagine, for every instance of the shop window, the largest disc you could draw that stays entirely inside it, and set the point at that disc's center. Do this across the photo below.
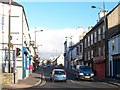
(113, 45)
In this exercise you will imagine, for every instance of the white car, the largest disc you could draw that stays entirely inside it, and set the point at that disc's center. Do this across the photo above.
(58, 75)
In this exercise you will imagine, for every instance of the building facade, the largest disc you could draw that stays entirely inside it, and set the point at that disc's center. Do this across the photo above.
(20, 39)
(114, 42)
(100, 46)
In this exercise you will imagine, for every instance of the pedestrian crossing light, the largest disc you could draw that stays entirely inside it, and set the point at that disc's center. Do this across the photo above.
(18, 50)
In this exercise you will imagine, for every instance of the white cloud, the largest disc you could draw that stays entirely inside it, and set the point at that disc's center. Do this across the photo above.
(51, 42)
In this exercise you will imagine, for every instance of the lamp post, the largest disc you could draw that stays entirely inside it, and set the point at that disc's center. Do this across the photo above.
(9, 36)
(105, 34)
(36, 39)
(35, 44)
(35, 35)
(70, 48)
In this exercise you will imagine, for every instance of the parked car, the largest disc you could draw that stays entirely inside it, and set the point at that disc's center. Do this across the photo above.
(58, 75)
(84, 73)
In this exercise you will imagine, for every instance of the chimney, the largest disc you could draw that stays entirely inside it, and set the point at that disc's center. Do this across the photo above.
(101, 14)
(89, 28)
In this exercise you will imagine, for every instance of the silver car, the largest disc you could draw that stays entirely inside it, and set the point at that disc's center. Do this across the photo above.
(58, 75)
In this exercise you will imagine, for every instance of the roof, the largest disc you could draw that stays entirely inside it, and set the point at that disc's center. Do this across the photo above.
(115, 33)
(12, 2)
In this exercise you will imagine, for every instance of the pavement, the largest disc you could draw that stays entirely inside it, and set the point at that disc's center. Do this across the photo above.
(112, 81)
(33, 80)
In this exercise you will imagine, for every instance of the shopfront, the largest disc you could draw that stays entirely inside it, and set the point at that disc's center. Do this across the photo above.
(99, 66)
(116, 66)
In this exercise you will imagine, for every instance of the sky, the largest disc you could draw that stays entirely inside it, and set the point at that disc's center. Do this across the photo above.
(58, 20)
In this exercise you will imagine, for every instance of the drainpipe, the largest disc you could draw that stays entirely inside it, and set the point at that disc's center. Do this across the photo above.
(22, 50)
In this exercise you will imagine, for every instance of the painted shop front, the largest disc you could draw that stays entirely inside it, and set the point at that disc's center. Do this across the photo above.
(116, 66)
(99, 66)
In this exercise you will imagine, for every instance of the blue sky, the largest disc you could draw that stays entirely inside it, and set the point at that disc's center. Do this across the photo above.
(59, 15)
(60, 19)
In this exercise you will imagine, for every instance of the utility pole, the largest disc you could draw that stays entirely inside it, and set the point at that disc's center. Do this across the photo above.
(70, 51)
(35, 36)
(9, 36)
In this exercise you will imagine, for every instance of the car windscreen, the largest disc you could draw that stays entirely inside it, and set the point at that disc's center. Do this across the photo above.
(85, 68)
(59, 72)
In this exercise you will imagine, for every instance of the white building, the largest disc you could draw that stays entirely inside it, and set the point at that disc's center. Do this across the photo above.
(70, 56)
(60, 60)
(19, 31)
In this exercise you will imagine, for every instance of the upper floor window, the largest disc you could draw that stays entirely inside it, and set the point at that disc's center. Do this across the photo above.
(99, 51)
(77, 50)
(91, 39)
(91, 53)
(95, 36)
(2, 19)
(85, 55)
(103, 32)
(88, 55)
(103, 50)
(99, 34)
(113, 45)
(88, 40)
(80, 48)
(85, 42)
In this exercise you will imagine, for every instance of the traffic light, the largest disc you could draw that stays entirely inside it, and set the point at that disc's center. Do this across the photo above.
(18, 50)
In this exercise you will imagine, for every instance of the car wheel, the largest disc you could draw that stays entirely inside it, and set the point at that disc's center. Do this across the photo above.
(92, 80)
(51, 79)
(77, 79)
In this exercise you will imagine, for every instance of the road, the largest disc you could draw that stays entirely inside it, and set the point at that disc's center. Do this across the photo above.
(71, 82)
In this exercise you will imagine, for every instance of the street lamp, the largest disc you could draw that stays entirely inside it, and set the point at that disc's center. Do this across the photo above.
(35, 35)
(102, 9)
(97, 7)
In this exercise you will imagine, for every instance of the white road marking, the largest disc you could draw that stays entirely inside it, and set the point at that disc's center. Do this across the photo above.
(43, 83)
(74, 81)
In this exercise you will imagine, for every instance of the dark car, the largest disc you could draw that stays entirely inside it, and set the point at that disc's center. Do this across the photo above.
(84, 73)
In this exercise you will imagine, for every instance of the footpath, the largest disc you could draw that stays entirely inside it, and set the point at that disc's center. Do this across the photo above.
(109, 81)
(33, 80)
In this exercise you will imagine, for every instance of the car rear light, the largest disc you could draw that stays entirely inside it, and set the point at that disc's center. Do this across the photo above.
(54, 72)
(65, 73)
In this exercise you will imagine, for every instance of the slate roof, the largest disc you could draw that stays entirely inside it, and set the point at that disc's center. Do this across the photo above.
(115, 33)
(12, 2)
